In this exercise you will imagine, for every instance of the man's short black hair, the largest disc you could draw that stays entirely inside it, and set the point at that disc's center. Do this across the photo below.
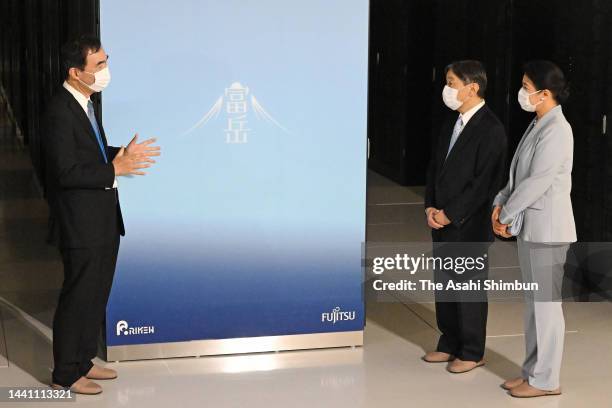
(74, 53)
(470, 71)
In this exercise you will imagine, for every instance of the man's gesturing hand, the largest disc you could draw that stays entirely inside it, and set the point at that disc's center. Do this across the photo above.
(127, 164)
(145, 147)
(135, 157)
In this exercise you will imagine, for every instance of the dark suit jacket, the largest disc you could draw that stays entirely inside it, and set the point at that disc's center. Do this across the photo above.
(83, 212)
(465, 184)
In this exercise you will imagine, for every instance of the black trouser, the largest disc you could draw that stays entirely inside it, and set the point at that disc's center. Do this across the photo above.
(88, 276)
(462, 315)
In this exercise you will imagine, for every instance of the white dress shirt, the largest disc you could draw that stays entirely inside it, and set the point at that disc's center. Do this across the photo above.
(83, 101)
(465, 117)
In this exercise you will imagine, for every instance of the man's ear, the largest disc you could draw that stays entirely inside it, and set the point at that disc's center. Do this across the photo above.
(546, 94)
(476, 88)
(73, 73)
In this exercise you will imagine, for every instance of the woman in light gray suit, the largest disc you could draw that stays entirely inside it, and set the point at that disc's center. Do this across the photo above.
(536, 207)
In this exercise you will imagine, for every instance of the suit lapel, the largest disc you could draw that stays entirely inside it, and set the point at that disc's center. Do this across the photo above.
(445, 136)
(82, 118)
(528, 141)
(517, 154)
(464, 137)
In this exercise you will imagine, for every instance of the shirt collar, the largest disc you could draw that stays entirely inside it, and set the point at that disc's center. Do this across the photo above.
(80, 98)
(465, 117)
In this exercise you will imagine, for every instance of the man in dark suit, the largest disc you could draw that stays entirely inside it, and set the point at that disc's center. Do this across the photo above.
(85, 216)
(464, 174)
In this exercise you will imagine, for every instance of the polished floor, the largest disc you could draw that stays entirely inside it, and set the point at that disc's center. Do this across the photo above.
(386, 372)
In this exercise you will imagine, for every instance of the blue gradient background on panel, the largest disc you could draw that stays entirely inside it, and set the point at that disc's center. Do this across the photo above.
(238, 240)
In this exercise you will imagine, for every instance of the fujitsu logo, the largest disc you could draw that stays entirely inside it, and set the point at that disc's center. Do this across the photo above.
(337, 315)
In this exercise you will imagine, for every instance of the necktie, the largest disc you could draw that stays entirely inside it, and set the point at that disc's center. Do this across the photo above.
(94, 124)
(456, 132)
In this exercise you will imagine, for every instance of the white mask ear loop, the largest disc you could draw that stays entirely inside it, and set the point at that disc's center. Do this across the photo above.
(541, 99)
(90, 73)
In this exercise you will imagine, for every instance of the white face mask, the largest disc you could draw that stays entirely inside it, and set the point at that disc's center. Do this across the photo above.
(101, 80)
(449, 96)
(523, 100)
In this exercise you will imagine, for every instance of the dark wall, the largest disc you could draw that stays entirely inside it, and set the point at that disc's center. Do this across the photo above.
(406, 105)
(31, 34)
(411, 44)
(401, 50)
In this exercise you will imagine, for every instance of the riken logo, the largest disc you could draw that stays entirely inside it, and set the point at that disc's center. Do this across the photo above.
(237, 106)
(337, 315)
(124, 329)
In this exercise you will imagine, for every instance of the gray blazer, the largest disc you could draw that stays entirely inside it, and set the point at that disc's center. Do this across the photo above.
(540, 182)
